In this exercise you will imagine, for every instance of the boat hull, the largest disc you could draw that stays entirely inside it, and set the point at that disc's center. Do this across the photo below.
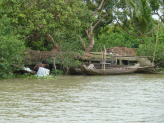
(112, 71)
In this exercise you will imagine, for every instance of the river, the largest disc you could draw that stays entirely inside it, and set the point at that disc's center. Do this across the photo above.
(132, 98)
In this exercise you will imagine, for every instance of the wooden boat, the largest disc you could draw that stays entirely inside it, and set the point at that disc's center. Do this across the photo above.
(148, 69)
(75, 71)
(91, 70)
(78, 71)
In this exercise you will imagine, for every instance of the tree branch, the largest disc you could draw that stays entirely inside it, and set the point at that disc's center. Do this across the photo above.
(129, 32)
(137, 29)
(28, 36)
(100, 6)
(131, 16)
(159, 15)
(99, 21)
(82, 42)
(87, 32)
(93, 1)
(91, 31)
(50, 38)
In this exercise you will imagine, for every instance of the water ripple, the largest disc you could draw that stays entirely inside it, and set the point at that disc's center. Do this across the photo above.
(84, 99)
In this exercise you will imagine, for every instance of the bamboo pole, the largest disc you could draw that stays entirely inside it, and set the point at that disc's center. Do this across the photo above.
(104, 60)
(156, 42)
(103, 63)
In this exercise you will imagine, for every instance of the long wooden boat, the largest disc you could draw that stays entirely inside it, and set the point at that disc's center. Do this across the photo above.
(78, 71)
(148, 69)
(90, 70)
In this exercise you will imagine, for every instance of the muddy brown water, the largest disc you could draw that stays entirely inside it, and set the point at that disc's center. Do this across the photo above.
(130, 98)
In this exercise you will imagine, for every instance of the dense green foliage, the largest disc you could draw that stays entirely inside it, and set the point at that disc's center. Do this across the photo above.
(112, 36)
(28, 23)
(105, 9)
(11, 52)
(36, 19)
(148, 48)
(11, 48)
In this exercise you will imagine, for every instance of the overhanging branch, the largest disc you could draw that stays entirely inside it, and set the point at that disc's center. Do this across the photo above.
(100, 20)
(130, 33)
(82, 42)
(51, 39)
(100, 6)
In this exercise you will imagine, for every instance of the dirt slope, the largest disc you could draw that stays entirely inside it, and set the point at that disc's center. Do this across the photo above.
(122, 51)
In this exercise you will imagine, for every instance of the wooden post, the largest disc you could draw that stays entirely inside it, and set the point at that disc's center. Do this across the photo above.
(120, 61)
(104, 60)
(54, 65)
(67, 68)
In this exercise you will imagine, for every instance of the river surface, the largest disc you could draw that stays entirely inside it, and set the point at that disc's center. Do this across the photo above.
(130, 98)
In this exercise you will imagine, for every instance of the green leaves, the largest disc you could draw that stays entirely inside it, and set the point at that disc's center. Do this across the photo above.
(139, 16)
(11, 48)
(45, 16)
(113, 36)
(11, 52)
(148, 48)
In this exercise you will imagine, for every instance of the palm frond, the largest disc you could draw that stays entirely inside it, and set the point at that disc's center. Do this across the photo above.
(130, 3)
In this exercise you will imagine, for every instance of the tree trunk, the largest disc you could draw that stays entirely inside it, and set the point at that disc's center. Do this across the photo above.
(51, 39)
(90, 37)
(54, 65)
(89, 31)
(91, 44)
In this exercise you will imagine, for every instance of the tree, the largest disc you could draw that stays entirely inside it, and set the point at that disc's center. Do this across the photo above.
(50, 19)
(11, 48)
(100, 10)
(113, 36)
(138, 14)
